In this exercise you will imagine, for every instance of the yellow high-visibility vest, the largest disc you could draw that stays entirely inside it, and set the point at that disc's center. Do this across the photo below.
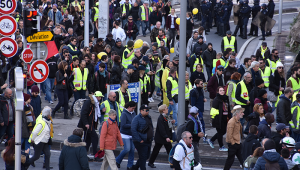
(187, 90)
(295, 84)
(214, 112)
(233, 91)
(73, 50)
(228, 44)
(273, 64)
(158, 41)
(263, 51)
(265, 76)
(79, 80)
(121, 98)
(297, 117)
(107, 106)
(39, 120)
(143, 13)
(96, 13)
(244, 93)
(144, 82)
(197, 62)
(124, 8)
(174, 89)
(127, 61)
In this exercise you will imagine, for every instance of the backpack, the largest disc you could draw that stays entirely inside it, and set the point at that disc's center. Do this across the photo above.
(271, 165)
(102, 125)
(78, 106)
(181, 129)
(171, 154)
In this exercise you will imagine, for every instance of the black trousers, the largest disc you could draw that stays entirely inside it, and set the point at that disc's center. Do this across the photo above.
(219, 136)
(38, 149)
(156, 150)
(91, 137)
(233, 150)
(172, 35)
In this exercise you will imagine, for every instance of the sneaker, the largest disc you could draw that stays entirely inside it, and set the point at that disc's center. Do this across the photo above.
(204, 140)
(223, 149)
(149, 100)
(211, 144)
(152, 100)
(51, 102)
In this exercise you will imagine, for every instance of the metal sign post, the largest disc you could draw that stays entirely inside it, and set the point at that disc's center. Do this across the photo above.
(19, 107)
(86, 24)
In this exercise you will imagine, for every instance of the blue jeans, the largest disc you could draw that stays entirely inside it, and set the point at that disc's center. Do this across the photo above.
(174, 108)
(8, 129)
(124, 21)
(145, 25)
(27, 144)
(128, 148)
(48, 88)
(200, 116)
(138, 24)
(43, 87)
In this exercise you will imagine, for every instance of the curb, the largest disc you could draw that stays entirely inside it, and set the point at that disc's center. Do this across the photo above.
(243, 48)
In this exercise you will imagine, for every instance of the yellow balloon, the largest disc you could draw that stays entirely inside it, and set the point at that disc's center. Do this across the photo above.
(172, 50)
(178, 21)
(101, 54)
(195, 11)
(138, 43)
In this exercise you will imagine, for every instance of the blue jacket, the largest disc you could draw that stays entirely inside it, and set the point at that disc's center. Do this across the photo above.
(197, 98)
(225, 18)
(36, 104)
(272, 157)
(58, 16)
(97, 66)
(271, 8)
(264, 130)
(126, 120)
(139, 123)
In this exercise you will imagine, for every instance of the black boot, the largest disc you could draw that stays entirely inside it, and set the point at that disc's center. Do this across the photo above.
(66, 117)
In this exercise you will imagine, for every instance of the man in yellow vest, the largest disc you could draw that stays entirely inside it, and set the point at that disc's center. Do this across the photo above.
(195, 59)
(161, 36)
(229, 42)
(172, 92)
(74, 51)
(96, 14)
(122, 94)
(294, 81)
(108, 104)
(128, 54)
(265, 72)
(155, 31)
(76, 3)
(242, 94)
(126, 7)
(144, 15)
(263, 51)
(295, 110)
(273, 60)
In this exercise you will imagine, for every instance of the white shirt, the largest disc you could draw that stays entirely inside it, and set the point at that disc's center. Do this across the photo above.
(179, 155)
(172, 21)
(118, 33)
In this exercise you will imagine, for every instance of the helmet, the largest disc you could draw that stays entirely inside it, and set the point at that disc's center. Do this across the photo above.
(198, 167)
(245, 1)
(264, 6)
(289, 142)
(256, 2)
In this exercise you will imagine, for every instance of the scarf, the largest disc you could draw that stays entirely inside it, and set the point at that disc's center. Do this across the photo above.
(130, 26)
(196, 122)
(236, 81)
(97, 109)
(112, 120)
(102, 74)
(167, 118)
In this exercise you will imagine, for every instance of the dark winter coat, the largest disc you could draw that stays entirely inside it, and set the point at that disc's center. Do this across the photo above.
(249, 145)
(213, 85)
(228, 72)
(52, 64)
(116, 73)
(253, 94)
(197, 98)
(162, 130)
(4, 110)
(254, 119)
(264, 130)
(283, 111)
(196, 75)
(134, 28)
(119, 50)
(126, 119)
(100, 82)
(154, 17)
(277, 138)
(275, 82)
(36, 103)
(208, 57)
(220, 120)
(191, 127)
(272, 157)
(87, 114)
(73, 155)
(203, 46)
(258, 53)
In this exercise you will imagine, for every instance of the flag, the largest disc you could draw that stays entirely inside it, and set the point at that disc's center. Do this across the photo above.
(52, 49)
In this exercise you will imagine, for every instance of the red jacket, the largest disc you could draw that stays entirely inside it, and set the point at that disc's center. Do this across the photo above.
(168, 22)
(109, 136)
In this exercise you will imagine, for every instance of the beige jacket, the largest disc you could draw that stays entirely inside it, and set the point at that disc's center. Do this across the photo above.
(234, 131)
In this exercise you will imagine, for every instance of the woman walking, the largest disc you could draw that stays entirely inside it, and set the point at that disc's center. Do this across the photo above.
(110, 134)
(163, 134)
(126, 118)
(62, 79)
(220, 112)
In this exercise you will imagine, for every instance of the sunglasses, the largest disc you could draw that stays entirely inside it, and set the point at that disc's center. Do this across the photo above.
(280, 67)
(191, 137)
(276, 53)
(114, 97)
(130, 19)
(259, 104)
(220, 69)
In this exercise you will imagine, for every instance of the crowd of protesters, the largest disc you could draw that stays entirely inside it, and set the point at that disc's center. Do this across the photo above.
(243, 94)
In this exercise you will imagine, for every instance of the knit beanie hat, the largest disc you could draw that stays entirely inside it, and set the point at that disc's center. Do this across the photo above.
(26, 97)
(259, 81)
(269, 144)
(261, 92)
(35, 88)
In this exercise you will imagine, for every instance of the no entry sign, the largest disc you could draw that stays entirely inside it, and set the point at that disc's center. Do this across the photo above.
(39, 71)
(8, 47)
(8, 25)
(8, 6)
(27, 55)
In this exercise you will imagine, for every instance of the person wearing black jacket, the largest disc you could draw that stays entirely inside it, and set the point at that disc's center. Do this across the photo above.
(130, 29)
(118, 47)
(283, 111)
(62, 79)
(58, 38)
(208, 56)
(100, 80)
(135, 77)
(277, 81)
(229, 70)
(134, 12)
(220, 105)
(279, 135)
(53, 68)
(250, 143)
(259, 84)
(155, 16)
(87, 120)
(271, 10)
(163, 134)
(194, 127)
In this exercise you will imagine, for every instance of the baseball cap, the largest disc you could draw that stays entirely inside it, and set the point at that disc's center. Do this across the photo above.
(176, 58)
(229, 32)
(135, 61)
(142, 68)
(194, 109)
(281, 126)
(118, 40)
(98, 94)
(146, 59)
(220, 66)
(144, 106)
(131, 67)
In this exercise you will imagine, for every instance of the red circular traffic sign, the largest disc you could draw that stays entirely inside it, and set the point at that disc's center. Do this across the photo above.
(8, 25)
(8, 6)
(8, 47)
(27, 55)
(39, 71)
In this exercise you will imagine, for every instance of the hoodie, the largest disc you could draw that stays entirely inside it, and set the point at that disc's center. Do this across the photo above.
(272, 157)
(283, 111)
(277, 138)
(249, 145)
(190, 46)
(264, 129)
